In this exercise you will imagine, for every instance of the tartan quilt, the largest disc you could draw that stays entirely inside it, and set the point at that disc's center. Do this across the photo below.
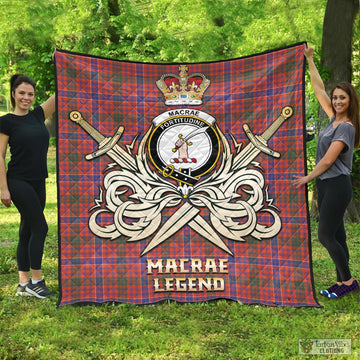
(174, 180)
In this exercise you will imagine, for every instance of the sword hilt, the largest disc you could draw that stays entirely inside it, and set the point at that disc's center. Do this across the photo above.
(260, 141)
(286, 113)
(181, 137)
(77, 118)
(107, 145)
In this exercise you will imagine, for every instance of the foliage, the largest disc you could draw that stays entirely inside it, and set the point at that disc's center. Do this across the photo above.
(26, 42)
(151, 31)
(33, 329)
(284, 23)
(356, 55)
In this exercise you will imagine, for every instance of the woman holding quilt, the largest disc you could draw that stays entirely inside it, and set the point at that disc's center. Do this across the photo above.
(332, 170)
(23, 183)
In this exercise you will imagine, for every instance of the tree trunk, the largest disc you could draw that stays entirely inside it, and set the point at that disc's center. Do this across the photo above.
(114, 10)
(336, 56)
(337, 40)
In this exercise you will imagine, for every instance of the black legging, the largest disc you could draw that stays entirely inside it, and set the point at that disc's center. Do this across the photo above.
(334, 195)
(29, 198)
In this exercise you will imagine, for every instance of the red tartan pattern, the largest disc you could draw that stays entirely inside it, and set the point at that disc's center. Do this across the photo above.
(109, 93)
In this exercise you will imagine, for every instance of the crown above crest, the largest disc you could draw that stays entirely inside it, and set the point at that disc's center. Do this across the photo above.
(183, 89)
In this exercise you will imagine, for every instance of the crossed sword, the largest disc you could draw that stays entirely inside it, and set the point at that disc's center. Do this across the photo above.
(186, 214)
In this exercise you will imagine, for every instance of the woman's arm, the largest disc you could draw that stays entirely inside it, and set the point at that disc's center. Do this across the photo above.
(49, 106)
(329, 158)
(317, 83)
(4, 190)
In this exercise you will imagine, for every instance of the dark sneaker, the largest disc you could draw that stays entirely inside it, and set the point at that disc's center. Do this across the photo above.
(330, 290)
(344, 290)
(20, 291)
(39, 290)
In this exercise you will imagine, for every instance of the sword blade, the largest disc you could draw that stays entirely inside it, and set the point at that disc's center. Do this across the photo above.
(186, 215)
(124, 159)
(194, 133)
(191, 135)
(175, 222)
(246, 156)
(202, 227)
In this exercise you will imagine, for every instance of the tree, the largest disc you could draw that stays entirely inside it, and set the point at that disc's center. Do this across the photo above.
(150, 31)
(283, 22)
(337, 40)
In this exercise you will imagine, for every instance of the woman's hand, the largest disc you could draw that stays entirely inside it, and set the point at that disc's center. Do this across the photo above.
(300, 181)
(308, 51)
(6, 198)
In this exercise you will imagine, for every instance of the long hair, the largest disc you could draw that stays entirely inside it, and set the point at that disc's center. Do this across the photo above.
(15, 81)
(353, 110)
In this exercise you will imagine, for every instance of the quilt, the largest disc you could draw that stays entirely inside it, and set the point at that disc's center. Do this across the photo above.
(174, 180)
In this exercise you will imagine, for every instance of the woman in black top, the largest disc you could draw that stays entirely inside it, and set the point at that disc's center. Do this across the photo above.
(23, 183)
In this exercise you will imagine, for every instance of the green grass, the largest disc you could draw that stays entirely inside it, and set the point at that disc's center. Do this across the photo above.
(37, 329)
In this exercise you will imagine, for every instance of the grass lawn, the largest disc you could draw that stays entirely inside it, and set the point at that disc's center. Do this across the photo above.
(37, 329)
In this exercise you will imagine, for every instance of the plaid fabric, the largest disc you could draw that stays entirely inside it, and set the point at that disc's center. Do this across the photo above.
(113, 206)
